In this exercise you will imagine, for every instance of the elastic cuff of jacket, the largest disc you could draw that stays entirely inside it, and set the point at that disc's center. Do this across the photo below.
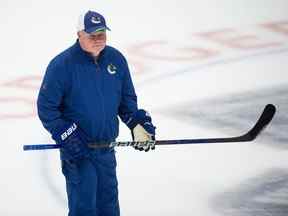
(131, 123)
(139, 117)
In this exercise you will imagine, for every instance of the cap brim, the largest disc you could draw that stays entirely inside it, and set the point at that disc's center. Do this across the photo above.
(97, 29)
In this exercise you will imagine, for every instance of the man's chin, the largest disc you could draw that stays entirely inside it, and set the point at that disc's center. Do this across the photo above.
(100, 48)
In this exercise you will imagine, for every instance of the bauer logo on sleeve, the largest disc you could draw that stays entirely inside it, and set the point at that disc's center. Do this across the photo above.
(69, 131)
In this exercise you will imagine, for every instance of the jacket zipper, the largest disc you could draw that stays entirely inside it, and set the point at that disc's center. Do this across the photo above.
(99, 87)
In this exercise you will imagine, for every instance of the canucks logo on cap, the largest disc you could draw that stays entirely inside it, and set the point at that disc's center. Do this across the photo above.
(111, 68)
(95, 20)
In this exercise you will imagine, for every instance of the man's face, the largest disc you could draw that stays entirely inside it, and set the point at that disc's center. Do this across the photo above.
(93, 43)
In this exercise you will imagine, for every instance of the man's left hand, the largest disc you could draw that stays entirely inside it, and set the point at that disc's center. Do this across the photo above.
(142, 130)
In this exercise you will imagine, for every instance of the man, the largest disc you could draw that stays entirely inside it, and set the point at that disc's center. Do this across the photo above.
(83, 91)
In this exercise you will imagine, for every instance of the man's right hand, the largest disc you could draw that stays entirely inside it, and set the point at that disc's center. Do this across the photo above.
(73, 140)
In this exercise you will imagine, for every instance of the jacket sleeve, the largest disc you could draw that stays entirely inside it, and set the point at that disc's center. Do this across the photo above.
(50, 97)
(128, 103)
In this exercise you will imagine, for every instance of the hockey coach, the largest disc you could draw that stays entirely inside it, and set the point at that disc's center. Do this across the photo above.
(84, 90)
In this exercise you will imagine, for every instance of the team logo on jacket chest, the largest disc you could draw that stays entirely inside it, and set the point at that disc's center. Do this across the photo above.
(111, 68)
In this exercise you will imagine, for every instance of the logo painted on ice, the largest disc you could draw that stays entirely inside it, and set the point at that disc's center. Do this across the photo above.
(68, 132)
(111, 68)
(95, 20)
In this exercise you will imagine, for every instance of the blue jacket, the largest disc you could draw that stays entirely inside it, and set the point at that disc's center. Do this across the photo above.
(76, 88)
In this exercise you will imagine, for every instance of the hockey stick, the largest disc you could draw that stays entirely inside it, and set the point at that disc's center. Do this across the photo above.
(262, 122)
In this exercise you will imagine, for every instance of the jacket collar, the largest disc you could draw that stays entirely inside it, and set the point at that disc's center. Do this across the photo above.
(85, 54)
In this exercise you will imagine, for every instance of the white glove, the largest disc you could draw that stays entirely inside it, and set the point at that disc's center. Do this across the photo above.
(141, 135)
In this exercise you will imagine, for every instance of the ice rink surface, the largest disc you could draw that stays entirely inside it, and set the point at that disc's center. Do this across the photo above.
(202, 69)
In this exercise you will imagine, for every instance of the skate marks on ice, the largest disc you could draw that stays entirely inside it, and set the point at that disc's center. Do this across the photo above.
(264, 195)
(236, 114)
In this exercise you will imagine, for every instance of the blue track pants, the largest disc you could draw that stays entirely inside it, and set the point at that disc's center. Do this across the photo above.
(91, 185)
